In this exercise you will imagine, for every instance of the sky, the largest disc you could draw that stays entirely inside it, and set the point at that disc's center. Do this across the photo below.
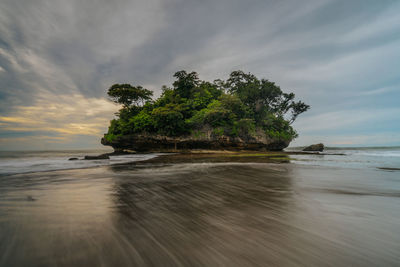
(58, 58)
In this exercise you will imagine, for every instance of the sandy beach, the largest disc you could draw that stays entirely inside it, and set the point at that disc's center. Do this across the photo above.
(199, 211)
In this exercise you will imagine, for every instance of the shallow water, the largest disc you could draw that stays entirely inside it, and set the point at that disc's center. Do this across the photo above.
(361, 157)
(12, 162)
(196, 214)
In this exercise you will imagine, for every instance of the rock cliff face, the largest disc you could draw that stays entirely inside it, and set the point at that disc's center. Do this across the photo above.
(158, 143)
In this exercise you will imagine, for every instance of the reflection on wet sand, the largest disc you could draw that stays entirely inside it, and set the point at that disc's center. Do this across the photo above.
(196, 214)
(200, 216)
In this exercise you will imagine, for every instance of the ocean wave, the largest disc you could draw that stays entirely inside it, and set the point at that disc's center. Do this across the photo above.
(41, 163)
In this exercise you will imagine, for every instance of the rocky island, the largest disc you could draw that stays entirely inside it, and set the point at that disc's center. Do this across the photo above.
(241, 113)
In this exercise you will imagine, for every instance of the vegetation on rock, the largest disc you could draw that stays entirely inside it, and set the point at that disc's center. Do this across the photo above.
(242, 106)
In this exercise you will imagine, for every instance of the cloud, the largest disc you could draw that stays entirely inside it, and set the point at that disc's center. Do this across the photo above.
(339, 56)
(346, 120)
(383, 90)
(380, 139)
(57, 119)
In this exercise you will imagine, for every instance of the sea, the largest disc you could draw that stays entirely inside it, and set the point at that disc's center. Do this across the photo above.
(341, 208)
(352, 157)
(13, 162)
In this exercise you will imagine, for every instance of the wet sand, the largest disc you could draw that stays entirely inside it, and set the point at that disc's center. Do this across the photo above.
(201, 211)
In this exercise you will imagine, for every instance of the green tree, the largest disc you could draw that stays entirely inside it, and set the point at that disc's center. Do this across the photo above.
(129, 95)
(264, 97)
(243, 106)
(185, 83)
(169, 120)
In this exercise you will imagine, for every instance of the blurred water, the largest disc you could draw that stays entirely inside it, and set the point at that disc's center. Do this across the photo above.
(12, 162)
(201, 214)
(375, 157)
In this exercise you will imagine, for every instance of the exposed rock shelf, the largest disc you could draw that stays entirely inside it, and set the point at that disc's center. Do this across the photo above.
(158, 143)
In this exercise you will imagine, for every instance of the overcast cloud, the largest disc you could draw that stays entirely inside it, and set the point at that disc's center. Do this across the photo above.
(57, 59)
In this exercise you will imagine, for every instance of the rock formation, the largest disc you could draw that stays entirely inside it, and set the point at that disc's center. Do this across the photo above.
(315, 148)
(159, 143)
(103, 156)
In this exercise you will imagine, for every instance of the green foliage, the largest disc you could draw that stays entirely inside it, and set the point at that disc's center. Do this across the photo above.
(110, 137)
(263, 96)
(278, 127)
(126, 113)
(169, 120)
(115, 127)
(202, 96)
(235, 105)
(198, 134)
(127, 94)
(218, 115)
(185, 83)
(244, 128)
(168, 96)
(114, 130)
(197, 121)
(280, 135)
(240, 106)
(143, 122)
(219, 131)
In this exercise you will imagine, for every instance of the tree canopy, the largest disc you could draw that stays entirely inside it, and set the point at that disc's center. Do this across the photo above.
(128, 95)
(240, 106)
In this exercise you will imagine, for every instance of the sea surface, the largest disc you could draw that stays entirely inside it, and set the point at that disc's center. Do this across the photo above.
(13, 162)
(338, 209)
(352, 157)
